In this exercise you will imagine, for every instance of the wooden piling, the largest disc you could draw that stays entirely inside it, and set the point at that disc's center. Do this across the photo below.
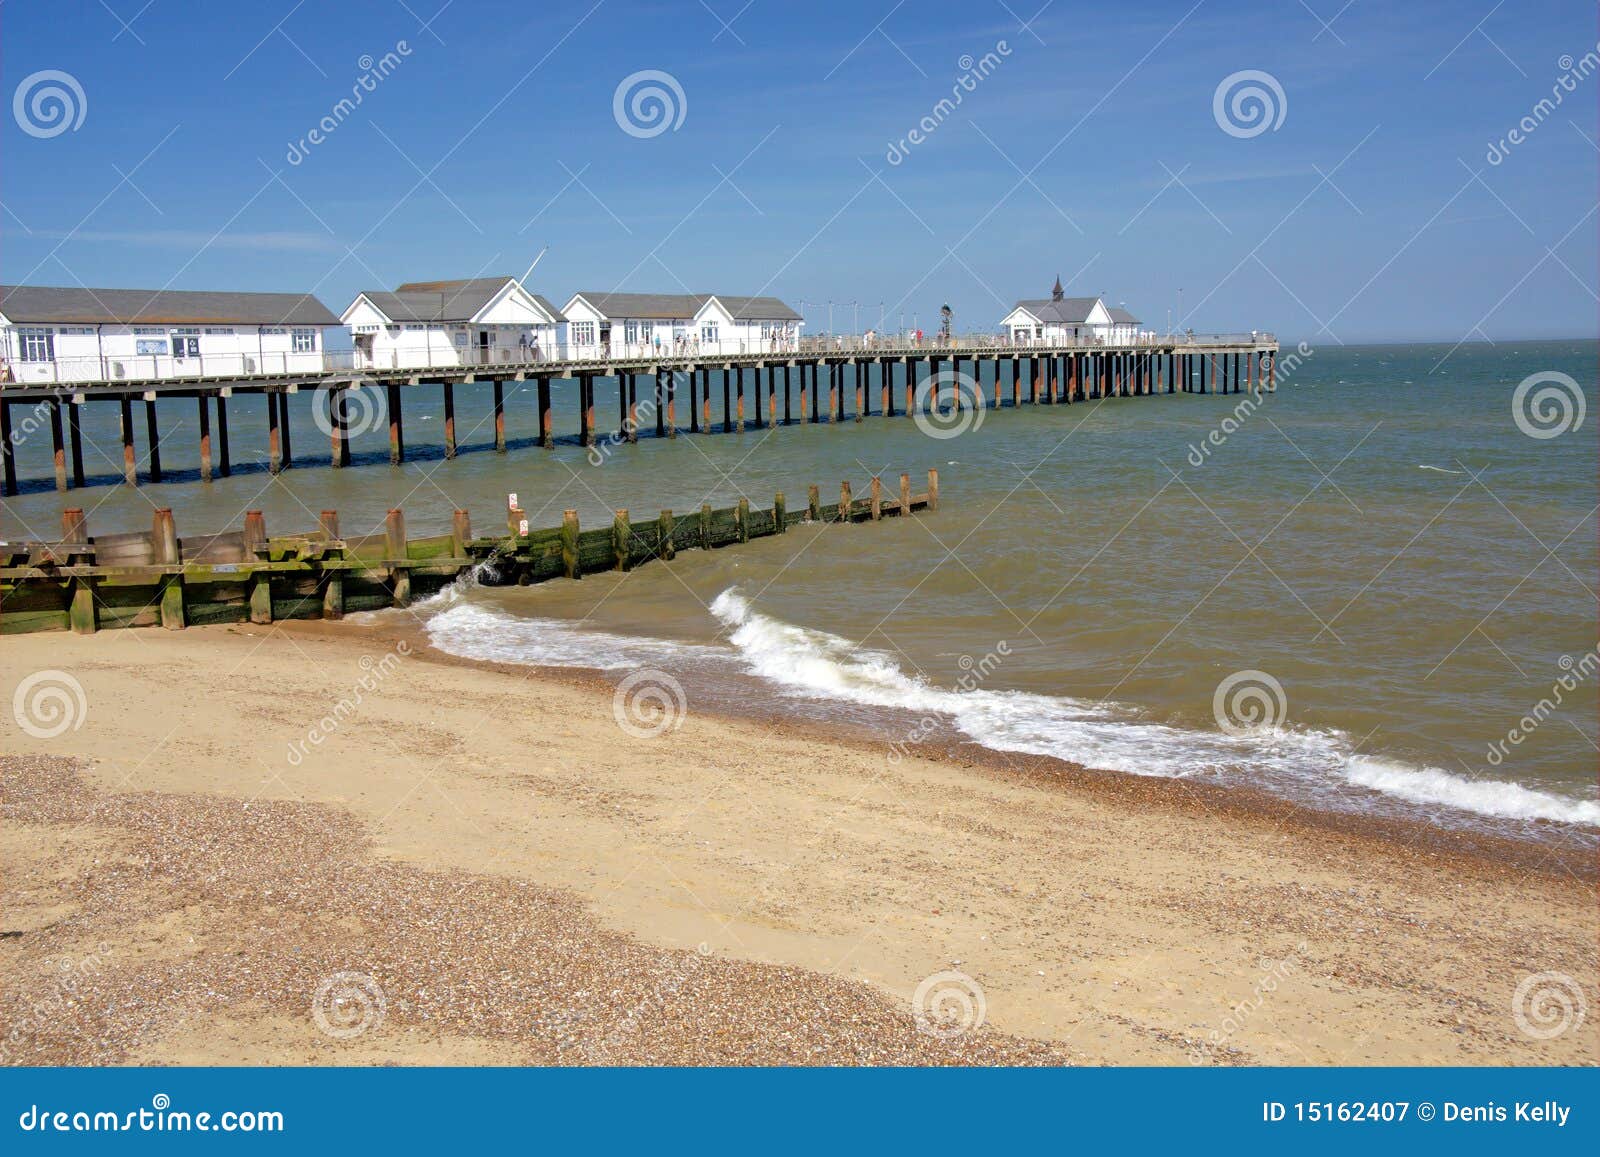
(905, 495)
(933, 490)
(397, 437)
(283, 420)
(75, 440)
(705, 526)
(586, 409)
(460, 533)
(338, 427)
(631, 425)
(877, 498)
(621, 533)
(672, 403)
(861, 389)
(153, 438)
(449, 420)
(275, 436)
(255, 547)
(224, 458)
(738, 377)
(130, 462)
(665, 549)
(58, 446)
(164, 540)
(81, 613)
(499, 415)
(660, 404)
(845, 501)
(813, 504)
(8, 450)
(569, 544)
(394, 548)
(780, 513)
(333, 580)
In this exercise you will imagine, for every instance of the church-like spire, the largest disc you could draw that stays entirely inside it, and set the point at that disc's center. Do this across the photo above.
(1056, 293)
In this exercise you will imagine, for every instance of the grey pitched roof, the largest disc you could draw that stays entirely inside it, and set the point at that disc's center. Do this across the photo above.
(42, 304)
(1071, 310)
(1121, 316)
(444, 301)
(681, 306)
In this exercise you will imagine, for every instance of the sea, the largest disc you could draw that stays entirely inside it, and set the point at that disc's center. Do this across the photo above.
(1372, 591)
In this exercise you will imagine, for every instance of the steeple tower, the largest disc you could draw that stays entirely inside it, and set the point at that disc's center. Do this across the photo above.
(1056, 293)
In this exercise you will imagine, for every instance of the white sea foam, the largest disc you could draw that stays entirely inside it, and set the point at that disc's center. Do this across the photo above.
(1109, 736)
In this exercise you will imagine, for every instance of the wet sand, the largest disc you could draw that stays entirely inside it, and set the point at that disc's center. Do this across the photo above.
(520, 881)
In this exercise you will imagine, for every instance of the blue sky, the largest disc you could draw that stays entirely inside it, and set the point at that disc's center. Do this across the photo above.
(1091, 150)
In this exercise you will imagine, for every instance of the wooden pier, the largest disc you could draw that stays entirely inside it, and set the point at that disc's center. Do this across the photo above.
(86, 583)
(754, 390)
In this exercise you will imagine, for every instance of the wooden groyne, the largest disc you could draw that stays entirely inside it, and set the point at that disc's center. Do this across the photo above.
(756, 390)
(87, 583)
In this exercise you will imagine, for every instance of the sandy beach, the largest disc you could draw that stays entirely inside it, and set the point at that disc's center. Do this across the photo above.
(476, 865)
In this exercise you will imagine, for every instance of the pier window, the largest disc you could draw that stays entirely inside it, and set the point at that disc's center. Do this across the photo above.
(630, 332)
(38, 345)
(272, 330)
(186, 343)
(708, 333)
(219, 329)
(583, 333)
(304, 341)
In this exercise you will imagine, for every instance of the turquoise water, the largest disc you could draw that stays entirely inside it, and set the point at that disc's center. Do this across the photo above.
(1381, 571)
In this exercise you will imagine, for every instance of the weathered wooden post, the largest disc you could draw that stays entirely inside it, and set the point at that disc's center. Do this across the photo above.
(569, 543)
(741, 519)
(660, 404)
(59, 450)
(780, 513)
(586, 409)
(283, 421)
(152, 435)
(75, 439)
(164, 537)
(905, 495)
(460, 533)
(394, 546)
(672, 403)
(877, 498)
(861, 389)
(8, 451)
(933, 490)
(449, 420)
(333, 580)
(805, 392)
(621, 532)
(738, 374)
(813, 504)
(255, 549)
(274, 437)
(834, 372)
(80, 605)
(911, 385)
(705, 526)
(397, 435)
(224, 461)
(500, 415)
(845, 501)
(1272, 373)
(886, 387)
(130, 463)
(665, 548)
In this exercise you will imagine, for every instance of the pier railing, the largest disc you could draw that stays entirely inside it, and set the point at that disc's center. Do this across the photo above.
(156, 368)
